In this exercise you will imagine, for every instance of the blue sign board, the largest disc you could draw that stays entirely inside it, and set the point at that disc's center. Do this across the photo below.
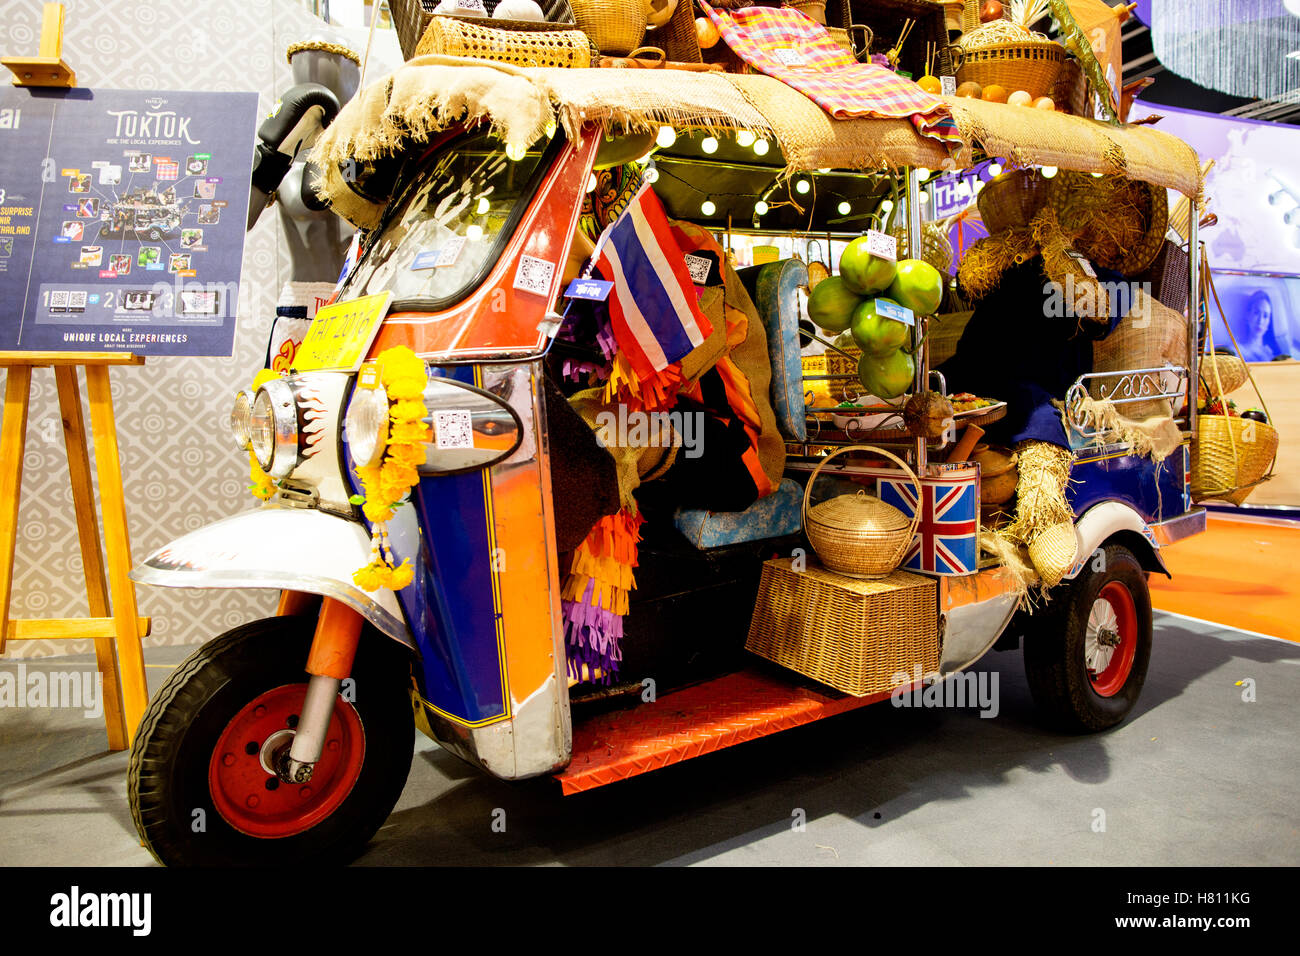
(122, 217)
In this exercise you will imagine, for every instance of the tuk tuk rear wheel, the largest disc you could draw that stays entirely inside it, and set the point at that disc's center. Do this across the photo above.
(1086, 657)
(201, 787)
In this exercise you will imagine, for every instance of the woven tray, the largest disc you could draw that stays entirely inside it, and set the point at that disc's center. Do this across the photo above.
(411, 18)
(450, 36)
(853, 635)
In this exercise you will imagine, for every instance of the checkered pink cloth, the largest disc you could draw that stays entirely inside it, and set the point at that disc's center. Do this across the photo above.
(795, 49)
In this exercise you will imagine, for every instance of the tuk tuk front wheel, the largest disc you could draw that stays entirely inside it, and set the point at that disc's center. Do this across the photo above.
(1086, 658)
(202, 782)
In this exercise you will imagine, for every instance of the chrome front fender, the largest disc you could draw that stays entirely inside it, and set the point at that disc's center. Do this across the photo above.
(293, 549)
(1103, 521)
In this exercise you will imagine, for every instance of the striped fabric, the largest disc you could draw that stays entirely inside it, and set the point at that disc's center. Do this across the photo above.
(793, 48)
(653, 307)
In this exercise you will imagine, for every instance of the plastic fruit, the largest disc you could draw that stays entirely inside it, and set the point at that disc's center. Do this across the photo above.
(706, 33)
(875, 334)
(918, 286)
(832, 303)
(931, 84)
(887, 376)
(864, 273)
(995, 94)
(970, 89)
(1020, 98)
(1044, 103)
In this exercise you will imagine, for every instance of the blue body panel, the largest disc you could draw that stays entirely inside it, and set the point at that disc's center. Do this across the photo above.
(1156, 492)
(451, 605)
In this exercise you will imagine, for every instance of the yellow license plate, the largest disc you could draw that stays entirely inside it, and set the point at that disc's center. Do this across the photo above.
(340, 334)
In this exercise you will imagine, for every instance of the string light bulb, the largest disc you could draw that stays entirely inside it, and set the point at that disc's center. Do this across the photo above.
(483, 206)
(761, 146)
(651, 172)
(802, 186)
(591, 182)
(708, 208)
(515, 152)
(666, 137)
(1049, 172)
(845, 208)
(760, 208)
(709, 144)
(745, 138)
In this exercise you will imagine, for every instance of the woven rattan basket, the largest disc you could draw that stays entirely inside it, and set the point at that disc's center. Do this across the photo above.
(1030, 65)
(1011, 199)
(448, 36)
(1231, 372)
(1230, 457)
(856, 636)
(615, 26)
(859, 535)
(1085, 204)
(936, 247)
(411, 18)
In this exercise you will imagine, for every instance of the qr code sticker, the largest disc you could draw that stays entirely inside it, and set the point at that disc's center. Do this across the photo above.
(77, 300)
(452, 427)
(534, 275)
(59, 300)
(698, 267)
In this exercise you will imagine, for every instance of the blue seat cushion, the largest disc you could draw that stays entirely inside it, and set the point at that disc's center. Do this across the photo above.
(774, 516)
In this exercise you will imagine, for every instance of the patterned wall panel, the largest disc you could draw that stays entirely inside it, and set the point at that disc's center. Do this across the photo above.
(179, 467)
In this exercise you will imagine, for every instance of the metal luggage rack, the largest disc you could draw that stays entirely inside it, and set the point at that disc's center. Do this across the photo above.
(1124, 388)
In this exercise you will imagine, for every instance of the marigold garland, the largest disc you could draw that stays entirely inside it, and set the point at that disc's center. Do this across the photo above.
(404, 377)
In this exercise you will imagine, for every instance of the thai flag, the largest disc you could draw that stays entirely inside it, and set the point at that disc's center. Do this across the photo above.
(947, 536)
(653, 306)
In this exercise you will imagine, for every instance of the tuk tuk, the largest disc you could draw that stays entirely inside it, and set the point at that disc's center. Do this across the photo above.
(291, 737)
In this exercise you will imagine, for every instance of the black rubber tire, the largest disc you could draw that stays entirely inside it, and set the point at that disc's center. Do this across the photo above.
(1054, 648)
(168, 773)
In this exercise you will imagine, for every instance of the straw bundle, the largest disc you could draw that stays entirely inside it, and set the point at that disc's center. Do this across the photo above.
(1089, 299)
(1044, 519)
(988, 259)
(1118, 223)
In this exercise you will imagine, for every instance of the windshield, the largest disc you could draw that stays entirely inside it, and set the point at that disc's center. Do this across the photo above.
(440, 238)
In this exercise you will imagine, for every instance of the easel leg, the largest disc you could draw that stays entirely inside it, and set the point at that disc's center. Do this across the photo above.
(135, 693)
(13, 435)
(92, 555)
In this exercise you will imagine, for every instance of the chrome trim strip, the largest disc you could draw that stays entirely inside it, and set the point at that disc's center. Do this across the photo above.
(1183, 526)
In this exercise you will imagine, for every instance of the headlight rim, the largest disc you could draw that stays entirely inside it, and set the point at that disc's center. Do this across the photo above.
(378, 395)
(282, 458)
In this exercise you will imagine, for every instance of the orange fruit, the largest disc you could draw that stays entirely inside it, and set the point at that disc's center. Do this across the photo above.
(971, 88)
(1045, 103)
(930, 84)
(995, 94)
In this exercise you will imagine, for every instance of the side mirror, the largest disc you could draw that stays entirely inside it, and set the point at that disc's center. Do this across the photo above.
(472, 428)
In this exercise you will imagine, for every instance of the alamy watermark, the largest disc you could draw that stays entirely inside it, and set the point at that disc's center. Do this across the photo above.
(1084, 299)
(72, 689)
(961, 690)
(632, 429)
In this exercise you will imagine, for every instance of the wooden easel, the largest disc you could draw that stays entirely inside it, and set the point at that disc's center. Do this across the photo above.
(116, 632)
(116, 629)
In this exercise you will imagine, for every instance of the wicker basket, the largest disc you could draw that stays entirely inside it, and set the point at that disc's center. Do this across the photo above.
(1010, 200)
(615, 26)
(936, 247)
(1029, 65)
(855, 636)
(1083, 205)
(412, 17)
(449, 36)
(814, 9)
(1231, 372)
(1230, 457)
(677, 37)
(1071, 92)
(859, 535)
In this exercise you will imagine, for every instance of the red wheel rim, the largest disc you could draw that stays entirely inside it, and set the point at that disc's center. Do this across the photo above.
(1109, 678)
(250, 797)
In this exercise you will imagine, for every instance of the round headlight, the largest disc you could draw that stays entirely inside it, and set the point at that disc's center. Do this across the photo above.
(241, 418)
(366, 425)
(273, 428)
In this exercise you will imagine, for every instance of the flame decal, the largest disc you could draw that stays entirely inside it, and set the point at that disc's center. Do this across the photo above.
(315, 418)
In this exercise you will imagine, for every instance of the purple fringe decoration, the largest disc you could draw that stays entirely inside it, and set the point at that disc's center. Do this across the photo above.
(592, 636)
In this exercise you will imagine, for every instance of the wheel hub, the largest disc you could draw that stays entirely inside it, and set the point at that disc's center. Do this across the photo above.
(1110, 640)
(248, 772)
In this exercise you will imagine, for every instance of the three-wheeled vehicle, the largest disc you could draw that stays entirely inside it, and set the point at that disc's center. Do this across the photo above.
(291, 737)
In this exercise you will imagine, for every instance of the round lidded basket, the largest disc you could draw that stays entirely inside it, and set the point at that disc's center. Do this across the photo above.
(1010, 200)
(859, 535)
(616, 27)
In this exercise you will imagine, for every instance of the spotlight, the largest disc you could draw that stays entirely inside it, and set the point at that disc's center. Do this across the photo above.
(1277, 197)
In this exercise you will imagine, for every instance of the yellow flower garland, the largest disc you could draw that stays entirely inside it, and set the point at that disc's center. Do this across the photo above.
(404, 377)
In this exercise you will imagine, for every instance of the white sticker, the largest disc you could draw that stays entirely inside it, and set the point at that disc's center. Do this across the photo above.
(453, 429)
(882, 245)
(1084, 264)
(449, 252)
(790, 57)
(947, 85)
(534, 275)
(698, 267)
(470, 6)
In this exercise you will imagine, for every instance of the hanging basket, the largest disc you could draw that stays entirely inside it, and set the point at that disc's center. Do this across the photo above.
(1231, 457)
(936, 247)
(1221, 371)
(859, 535)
